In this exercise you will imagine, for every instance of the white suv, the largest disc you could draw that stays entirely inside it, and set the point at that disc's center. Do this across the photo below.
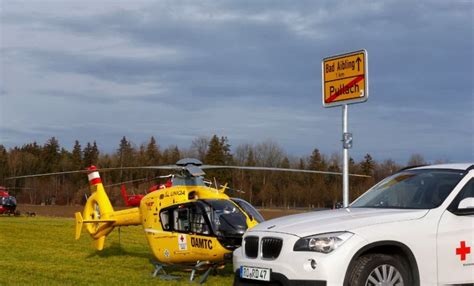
(413, 228)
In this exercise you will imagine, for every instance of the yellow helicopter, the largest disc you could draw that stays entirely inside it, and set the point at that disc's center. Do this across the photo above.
(188, 223)
(184, 223)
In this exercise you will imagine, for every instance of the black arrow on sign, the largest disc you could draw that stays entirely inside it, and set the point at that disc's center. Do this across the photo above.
(358, 63)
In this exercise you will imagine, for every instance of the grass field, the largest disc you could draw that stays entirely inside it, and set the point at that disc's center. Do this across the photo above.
(42, 251)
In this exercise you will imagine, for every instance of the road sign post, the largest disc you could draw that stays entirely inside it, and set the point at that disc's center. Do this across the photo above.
(345, 81)
(345, 159)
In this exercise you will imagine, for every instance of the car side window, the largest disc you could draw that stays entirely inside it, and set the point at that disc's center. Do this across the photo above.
(466, 192)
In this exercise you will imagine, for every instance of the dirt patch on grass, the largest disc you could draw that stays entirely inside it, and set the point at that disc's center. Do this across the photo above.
(68, 211)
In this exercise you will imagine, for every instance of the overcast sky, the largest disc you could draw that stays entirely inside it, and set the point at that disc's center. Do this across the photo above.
(248, 70)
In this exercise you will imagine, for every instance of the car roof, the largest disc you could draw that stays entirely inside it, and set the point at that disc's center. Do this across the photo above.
(453, 166)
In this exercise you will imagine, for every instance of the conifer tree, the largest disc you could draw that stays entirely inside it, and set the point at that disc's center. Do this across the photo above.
(215, 152)
(91, 154)
(367, 166)
(171, 155)
(175, 154)
(317, 187)
(50, 155)
(152, 152)
(218, 153)
(77, 163)
(76, 155)
(4, 168)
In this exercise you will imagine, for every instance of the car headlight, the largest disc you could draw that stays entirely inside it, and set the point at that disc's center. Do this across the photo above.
(325, 243)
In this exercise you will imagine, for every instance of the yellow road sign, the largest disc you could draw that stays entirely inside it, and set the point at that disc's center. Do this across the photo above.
(345, 79)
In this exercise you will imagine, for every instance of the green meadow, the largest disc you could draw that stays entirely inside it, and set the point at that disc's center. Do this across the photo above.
(43, 251)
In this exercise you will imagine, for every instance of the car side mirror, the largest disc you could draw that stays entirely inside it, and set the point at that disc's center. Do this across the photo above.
(465, 207)
(467, 203)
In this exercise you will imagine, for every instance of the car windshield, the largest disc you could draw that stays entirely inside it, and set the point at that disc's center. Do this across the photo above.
(226, 218)
(411, 189)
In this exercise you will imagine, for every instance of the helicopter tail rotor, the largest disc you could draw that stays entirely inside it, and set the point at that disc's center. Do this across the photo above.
(79, 222)
(99, 216)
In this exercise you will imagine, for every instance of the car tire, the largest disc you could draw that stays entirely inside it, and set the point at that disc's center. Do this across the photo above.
(372, 268)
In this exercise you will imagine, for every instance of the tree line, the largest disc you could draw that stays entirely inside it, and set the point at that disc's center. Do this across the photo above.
(261, 188)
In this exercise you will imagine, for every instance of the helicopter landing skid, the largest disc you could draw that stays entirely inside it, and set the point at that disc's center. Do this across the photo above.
(199, 265)
(160, 267)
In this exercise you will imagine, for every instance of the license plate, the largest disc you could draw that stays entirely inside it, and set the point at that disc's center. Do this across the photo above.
(255, 273)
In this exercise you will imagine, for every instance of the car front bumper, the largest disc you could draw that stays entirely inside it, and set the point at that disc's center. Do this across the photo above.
(276, 279)
(294, 267)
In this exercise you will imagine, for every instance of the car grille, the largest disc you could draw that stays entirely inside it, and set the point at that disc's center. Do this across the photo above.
(251, 246)
(271, 247)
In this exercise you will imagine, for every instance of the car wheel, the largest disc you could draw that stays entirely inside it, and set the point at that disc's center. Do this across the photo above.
(380, 269)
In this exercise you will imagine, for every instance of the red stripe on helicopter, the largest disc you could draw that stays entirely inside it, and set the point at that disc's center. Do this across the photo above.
(346, 87)
(95, 181)
(92, 168)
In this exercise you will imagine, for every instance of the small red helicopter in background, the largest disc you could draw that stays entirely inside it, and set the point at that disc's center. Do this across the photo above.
(134, 200)
(7, 203)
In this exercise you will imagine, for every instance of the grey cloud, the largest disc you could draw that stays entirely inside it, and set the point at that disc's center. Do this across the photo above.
(250, 66)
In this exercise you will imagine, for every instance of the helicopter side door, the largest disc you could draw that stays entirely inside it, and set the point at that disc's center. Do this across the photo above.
(193, 226)
(190, 235)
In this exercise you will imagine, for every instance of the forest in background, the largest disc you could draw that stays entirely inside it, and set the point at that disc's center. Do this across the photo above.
(261, 188)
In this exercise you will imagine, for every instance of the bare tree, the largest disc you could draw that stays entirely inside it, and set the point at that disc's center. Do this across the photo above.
(269, 154)
(242, 153)
(199, 147)
(416, 160)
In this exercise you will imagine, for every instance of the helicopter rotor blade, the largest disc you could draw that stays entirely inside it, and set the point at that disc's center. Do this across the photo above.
(193, 167)
(164, 167)
(278, 170)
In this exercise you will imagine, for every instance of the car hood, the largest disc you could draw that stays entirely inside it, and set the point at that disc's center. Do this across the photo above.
(336, 220)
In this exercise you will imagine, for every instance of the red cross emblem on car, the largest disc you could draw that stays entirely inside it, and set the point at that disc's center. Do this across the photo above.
(181, 238)
(463, 250)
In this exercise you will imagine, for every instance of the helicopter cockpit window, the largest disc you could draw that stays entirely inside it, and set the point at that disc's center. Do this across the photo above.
(249, 209)
(8, 201)
(165, 219)
(226, 218)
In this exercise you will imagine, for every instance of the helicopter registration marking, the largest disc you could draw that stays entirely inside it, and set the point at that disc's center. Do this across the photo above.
(201, 243)
(175, 193)
(182, 242)
(255, 273)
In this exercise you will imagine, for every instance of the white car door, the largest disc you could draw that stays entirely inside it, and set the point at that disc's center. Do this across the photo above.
(455, 241)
